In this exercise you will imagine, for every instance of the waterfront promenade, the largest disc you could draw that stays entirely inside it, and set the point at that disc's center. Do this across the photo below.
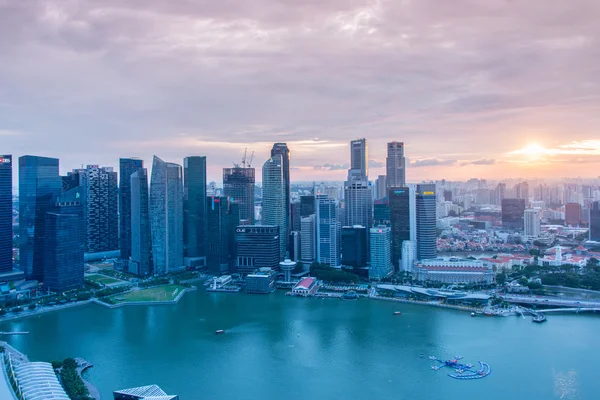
(427, 303)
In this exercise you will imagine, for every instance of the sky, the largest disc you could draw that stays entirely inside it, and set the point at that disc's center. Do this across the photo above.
(489, 89)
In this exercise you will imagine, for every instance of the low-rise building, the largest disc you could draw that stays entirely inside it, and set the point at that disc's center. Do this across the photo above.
(261, 281)
(454, 272)
(306, 287)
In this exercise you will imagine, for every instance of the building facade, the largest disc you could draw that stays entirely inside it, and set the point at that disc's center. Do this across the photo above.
(513, 213)
(358, 198)
(273, 202)
(127, 166)
(381, 252)
(261, 281)
(381, 212)
(308, 239)
(166, 216)
(359, 157)
(6, 229)
(194, 208)
(399, 200)
(454, 272)
(328, 231)
(307, 205)
(354, 246)
(39, 186)
(238, 185)
(409, 256)
(594, 232)
(140, 262)
(222, 216)
(572, 214)
(532, 223)
(256, 246)
(282, 150)
(426, 209)
(380, 187)
(395, 165)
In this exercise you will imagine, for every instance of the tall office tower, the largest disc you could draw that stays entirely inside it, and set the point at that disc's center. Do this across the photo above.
(65, 243)
(166, 216)
(499, 193)
(395, 165)
(294, 243)
(273, 203)
(282, 150)
(354, 246)
(594, 232)
(256, 246)
(532, 223)
(39, 186)
(73, 179)
(359, 202)
(400, 212)
(380, 187)
(381, 212)
(426, 221)
(513, 212)
(6, 231)
(308, 239)
(222, 216)
(127, 166)
(359, 157)
(307, 206)
(194, 209)
(572, 214)
(522, 191)
(238, 185)
(409, 255)
(448, 195)
(101, 206)
(140, 262)
(328, 228)
(295, 216)
(380, 252)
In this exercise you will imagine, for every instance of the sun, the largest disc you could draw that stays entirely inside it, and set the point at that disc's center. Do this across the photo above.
(533, 150)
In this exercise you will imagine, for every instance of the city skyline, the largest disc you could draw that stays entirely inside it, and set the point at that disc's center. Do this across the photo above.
(465, 105)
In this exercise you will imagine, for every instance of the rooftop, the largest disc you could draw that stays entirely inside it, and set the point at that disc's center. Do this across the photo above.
(305, 283)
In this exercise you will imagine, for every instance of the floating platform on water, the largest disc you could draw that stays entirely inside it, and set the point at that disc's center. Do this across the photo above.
(462, 371)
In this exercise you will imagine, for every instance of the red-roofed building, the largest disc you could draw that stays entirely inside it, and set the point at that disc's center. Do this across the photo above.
(306, 287)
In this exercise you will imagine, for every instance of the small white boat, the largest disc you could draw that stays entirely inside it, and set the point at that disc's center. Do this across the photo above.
(220, 331)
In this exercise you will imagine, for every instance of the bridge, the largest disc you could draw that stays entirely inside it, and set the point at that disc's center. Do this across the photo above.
(551, 301)
(573, 310)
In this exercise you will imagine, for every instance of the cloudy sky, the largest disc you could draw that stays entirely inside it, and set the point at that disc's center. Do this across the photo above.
(475, 88)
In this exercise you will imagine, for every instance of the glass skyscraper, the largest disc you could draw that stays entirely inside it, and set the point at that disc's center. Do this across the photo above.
(256, 246)
(282, 150)
(140, 262)
(328, 231)
(194, 207)
(166, 216)
(127, 166)
(6, 232)
(273, 202)
(426, 208)
(238, 185)
(513, 213)
(39, 187)
(594, 233)
(354, 246)
(400, 210)
(395, 165)
(222, 217)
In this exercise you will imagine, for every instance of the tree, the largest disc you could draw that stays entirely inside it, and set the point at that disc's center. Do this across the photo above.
(523, 281)
(31, 306)
(534, 252)
(593, 262)
(501, 279)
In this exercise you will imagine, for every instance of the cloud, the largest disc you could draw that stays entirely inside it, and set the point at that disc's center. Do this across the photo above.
(432, 162)
(483, 161)
(332, 167)
(376, 164)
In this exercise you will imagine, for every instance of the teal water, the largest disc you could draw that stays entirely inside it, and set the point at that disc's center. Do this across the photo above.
(281, 347)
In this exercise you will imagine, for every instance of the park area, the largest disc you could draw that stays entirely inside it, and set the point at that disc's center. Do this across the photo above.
(102, 279)
(158, 293)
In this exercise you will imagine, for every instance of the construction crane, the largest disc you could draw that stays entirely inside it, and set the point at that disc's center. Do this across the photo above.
(244, 158)
(251, 158)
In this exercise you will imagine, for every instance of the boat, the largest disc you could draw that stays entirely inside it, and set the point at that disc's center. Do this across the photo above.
(220, 331)
(539, 318)
(472, 314)
(397, 313)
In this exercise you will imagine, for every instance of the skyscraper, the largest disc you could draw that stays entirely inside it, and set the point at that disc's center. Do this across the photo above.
(238, 185)
(282, 149)
(380, 252)
(572, 214)
(513, 211)
(6, 231)
(39, 186)
(127, 166)
(594, 233)
(64, 243)
(166, 216)
(354, 246)
(194, 208)
(256, 246)
(359, 157)
(359, 201)
(380, 187)
(273, 203)
(400, 212)
(395, 165)
(532, 223)
(381, 212)
(328, 228)
(426, 208)
(141, 241)
(522, 191)
(222, 216)
(307, 205)
(101, 205)
(307, 239)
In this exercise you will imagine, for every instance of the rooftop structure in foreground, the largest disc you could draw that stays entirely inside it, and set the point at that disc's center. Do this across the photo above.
(151, 392)
(37, 381)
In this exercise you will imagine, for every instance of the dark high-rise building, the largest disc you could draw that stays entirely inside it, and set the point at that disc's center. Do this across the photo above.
(513, 213)
(72, 180)
(295, 216)
(101, 205)
(395, 165)
(273, 201)
(307, 206)
(194, 207)
(6, 232)
(256, 246)
(359, 157)
(426, 221)
(447, 195)
(595, 221)
(39, 186)
(381, 212)
(64, 243)
(140, 262)
(222, 216)
(238, 185)
(282, 149)
(572, 214)
(127, 166)
(354, 246)
(399, 209)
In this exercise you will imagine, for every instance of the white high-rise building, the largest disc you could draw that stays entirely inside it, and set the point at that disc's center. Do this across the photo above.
(327, 227)
(409, 255)
(380, 252)
(307, 239)
(532, 223)
(274, 203)
(395, 165)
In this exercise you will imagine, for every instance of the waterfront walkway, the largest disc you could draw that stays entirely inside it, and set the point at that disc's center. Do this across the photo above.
(427, 303)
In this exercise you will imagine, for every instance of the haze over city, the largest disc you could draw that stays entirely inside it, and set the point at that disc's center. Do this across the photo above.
(490, 89)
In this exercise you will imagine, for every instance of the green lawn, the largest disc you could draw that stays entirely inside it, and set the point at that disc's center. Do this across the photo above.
(105, 280)
(160, 293)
